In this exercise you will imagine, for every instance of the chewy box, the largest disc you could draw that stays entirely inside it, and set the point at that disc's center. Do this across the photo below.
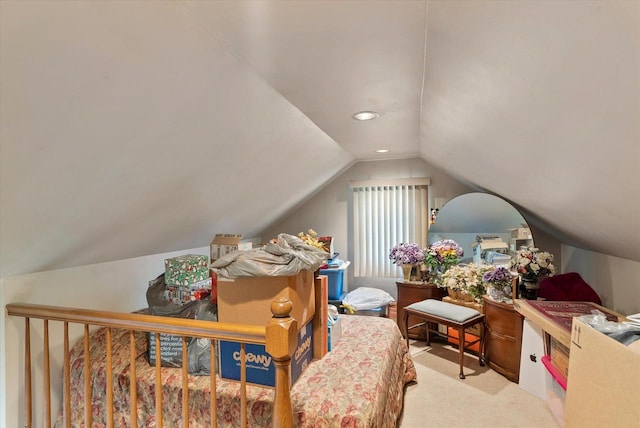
(247, 300)
(335, 277)
(260, 367)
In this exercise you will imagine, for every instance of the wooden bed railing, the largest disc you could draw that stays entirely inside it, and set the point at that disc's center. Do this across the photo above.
(279, 338)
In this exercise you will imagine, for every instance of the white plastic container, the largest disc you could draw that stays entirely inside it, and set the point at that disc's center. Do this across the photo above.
(556, 385)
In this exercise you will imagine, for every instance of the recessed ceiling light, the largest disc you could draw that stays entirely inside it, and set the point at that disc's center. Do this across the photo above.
(365, 115)
(382, 151)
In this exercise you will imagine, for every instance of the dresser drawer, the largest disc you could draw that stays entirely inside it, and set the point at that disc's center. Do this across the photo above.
(502, 325)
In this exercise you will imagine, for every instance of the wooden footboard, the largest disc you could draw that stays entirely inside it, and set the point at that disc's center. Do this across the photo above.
(279, 338)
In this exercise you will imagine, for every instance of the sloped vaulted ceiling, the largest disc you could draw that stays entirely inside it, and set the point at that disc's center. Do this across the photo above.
(127, 130)
(134, 128)
(540, 102)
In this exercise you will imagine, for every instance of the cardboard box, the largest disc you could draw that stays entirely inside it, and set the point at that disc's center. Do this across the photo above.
(259, 364)
(559, 356)
(223, 244)
(247, 300)
(520, 233)
(186, 270)
(602, 388)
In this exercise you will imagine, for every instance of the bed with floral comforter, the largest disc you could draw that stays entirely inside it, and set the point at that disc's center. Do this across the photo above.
(360, 383)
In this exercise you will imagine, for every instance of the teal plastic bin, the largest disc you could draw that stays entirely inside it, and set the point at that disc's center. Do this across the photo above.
(336, 282)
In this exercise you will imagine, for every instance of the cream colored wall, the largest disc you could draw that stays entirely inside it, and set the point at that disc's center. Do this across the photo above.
(616, 280)
(117, 286)
(328, 211)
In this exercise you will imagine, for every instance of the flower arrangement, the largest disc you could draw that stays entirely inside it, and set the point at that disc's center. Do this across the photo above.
(310, 239)
(466, 279)
(406, 254)
(443, 254)
(498, 283)
(531, 264)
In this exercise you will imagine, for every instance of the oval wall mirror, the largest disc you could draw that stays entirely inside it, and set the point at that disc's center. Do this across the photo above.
(468, 216)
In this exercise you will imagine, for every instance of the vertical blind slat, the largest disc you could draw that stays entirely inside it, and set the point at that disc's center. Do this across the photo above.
(383, 217)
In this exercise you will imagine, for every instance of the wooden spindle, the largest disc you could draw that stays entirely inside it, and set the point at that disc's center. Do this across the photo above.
(243, 386)
(88, 416)
(109, 380)
(67, 377)
(27, 373)
(281, 344)
(46, 376)
(158, 382)
(185, 384)
(133, 380)
(212, 376)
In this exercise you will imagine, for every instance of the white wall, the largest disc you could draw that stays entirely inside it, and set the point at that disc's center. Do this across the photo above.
(328, 211)
(114, 286)
(616, 280)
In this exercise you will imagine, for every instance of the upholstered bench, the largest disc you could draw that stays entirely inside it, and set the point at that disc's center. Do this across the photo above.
(455, 316)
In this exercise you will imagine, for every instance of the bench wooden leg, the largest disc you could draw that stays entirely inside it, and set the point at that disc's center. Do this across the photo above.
(482, 345)
(461, 340)
(428, 327)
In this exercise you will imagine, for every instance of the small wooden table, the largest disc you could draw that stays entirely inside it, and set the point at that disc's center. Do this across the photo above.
(411, 292)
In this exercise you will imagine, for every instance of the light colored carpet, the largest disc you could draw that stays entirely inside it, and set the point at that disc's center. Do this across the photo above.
(484, 399)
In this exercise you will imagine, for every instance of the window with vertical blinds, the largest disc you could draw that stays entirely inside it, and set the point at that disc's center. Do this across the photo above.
(385, 214)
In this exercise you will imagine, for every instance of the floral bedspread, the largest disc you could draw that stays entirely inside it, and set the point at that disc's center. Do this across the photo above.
(360, 383)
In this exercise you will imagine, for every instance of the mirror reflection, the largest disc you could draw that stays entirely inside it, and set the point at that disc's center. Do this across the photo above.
(487, 227)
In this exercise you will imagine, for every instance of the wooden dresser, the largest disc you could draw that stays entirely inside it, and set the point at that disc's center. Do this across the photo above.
(411, 292)
(503, 338)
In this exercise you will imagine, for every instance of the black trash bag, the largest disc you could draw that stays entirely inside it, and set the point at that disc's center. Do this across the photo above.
(198, 350)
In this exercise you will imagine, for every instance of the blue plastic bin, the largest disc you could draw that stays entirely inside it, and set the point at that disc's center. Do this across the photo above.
(336, 282)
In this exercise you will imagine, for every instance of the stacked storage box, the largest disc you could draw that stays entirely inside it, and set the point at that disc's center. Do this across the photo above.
(187, 278)
(336, 280)
(556, 386)
(247, 300)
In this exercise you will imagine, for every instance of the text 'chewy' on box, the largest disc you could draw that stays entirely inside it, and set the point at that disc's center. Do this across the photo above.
(259, 364)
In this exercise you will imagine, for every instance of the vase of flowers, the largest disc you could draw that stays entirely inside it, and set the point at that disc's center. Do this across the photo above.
(498, 284)
(533, 265)
(441, 255)
(407, 256)
(464, 282)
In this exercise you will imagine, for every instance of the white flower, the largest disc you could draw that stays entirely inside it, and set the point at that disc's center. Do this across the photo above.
(523, 261)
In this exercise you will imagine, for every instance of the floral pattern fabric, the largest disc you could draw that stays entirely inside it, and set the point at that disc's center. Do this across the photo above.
(360, 383)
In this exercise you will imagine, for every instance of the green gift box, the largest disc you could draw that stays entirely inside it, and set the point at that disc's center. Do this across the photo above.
(186, 270)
